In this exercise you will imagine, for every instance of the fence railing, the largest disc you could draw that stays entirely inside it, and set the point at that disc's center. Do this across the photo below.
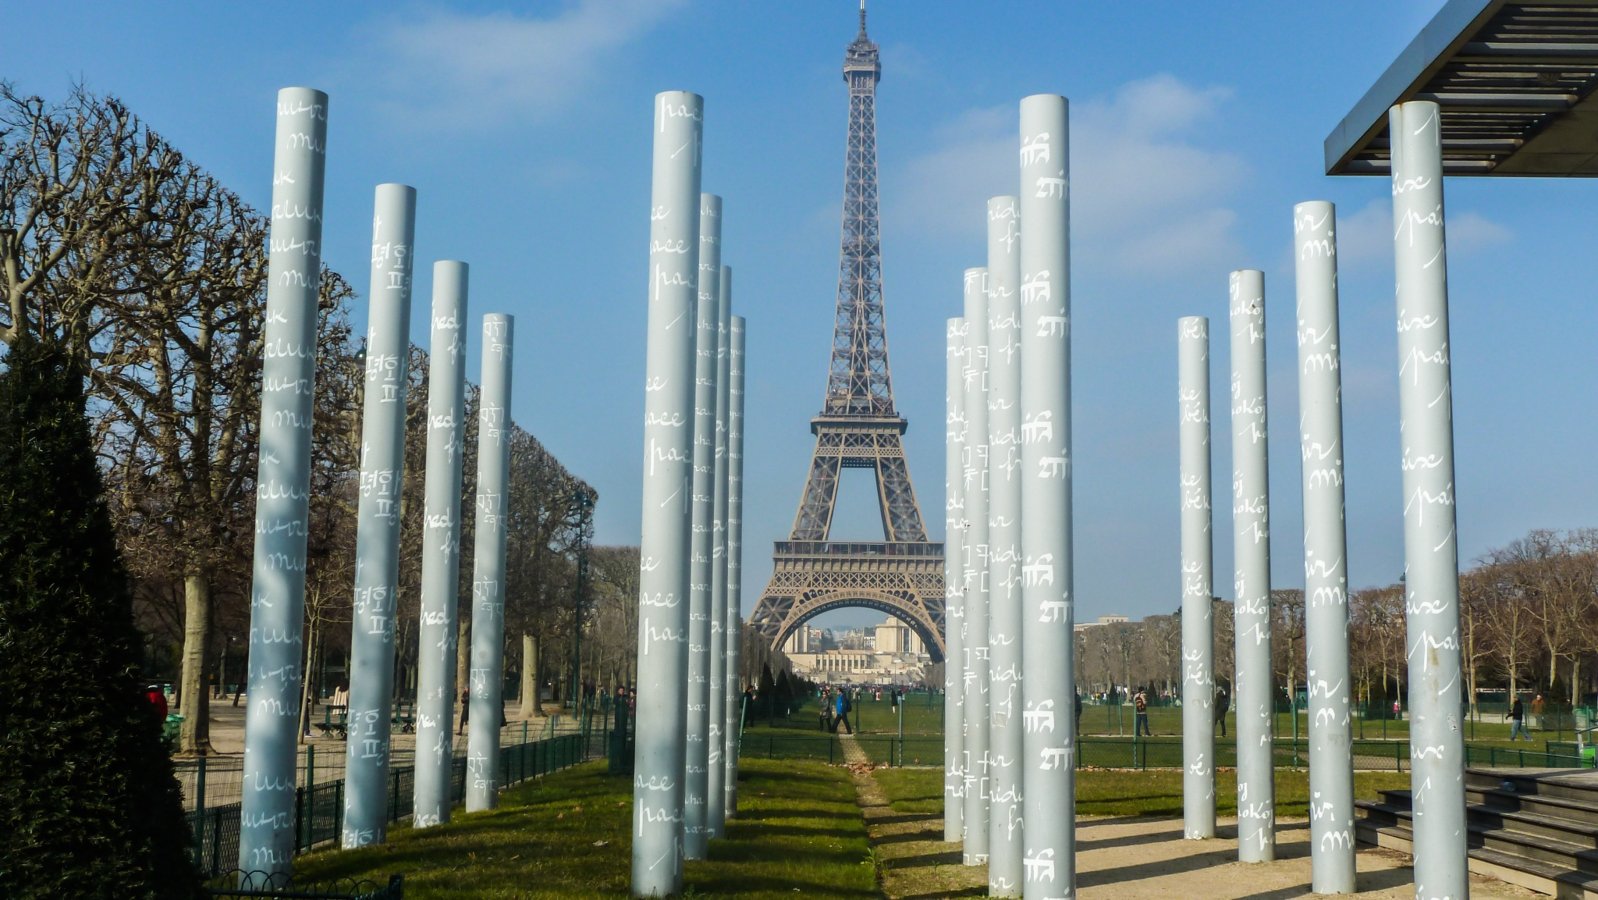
(319, 808)
(1142, 753)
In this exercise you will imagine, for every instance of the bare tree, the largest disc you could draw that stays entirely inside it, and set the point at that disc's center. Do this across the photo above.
(75, 184)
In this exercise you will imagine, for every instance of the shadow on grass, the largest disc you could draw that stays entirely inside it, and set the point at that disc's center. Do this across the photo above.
(898, 818)
(925, 860)
(910, 837)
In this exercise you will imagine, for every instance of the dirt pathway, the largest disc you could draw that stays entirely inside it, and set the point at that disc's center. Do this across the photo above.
(1130, 858)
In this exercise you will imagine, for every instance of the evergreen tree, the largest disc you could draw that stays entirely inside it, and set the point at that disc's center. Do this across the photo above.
(89, 806)
(784, 692)
(767, 691)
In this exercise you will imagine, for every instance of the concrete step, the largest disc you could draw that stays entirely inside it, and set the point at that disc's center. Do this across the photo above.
(1578, 785)
(1527, 873)
(1576, 811)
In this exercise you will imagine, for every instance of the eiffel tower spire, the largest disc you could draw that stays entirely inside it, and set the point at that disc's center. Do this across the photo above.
(858, 382)
(858, 426)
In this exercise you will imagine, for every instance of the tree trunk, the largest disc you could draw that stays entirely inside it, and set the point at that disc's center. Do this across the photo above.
(307, 680)
(1575, 681)
(194, 699)
(530, 709)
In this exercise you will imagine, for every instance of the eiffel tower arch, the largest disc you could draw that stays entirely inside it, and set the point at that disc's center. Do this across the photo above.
(858, 428)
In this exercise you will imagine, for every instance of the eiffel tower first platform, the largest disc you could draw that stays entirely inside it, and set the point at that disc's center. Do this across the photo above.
(858, 428)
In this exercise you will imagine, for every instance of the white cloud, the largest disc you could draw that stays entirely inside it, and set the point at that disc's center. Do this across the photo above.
(456, 68)
(1365, 238)
(1143, 197)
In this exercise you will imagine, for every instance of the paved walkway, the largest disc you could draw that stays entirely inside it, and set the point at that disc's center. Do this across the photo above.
(852, 752)
(1133, 858)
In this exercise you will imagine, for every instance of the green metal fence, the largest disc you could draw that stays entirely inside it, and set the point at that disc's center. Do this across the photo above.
(319, 808)
(1140, 753)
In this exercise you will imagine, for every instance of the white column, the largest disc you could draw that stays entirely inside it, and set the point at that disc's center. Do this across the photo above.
(1198, 633)
(975, 549)
(1431, 555)
(283, 484)
(486, 675)
(664, 543)
(1251, 533)
(441, 545)
(953, 584)
(1005, 843)
(1047, 634)
(388, 352)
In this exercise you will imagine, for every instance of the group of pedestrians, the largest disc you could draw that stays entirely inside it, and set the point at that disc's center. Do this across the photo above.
(1517, 716)
(835, 709)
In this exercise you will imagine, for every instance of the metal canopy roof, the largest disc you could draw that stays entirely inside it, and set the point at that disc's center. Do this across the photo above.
(1515, 83)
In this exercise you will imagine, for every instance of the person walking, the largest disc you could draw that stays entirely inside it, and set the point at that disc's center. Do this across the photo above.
(1517, 715)
(1536, 720)
(1140, 716)
(466, 709)
(1223, 702)
(840, 712)
(1076, 723)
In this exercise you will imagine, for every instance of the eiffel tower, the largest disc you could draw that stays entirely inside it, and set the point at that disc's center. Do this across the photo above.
(858, 428)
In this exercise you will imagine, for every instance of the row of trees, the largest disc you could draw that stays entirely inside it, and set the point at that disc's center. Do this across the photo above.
(140, 265)
(1528, 620)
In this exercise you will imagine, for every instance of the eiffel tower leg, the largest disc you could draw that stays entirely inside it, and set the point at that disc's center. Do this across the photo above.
(900, 514)
(814, 521)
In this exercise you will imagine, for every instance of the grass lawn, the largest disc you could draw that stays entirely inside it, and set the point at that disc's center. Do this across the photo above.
(1135, 793)
(568, 834)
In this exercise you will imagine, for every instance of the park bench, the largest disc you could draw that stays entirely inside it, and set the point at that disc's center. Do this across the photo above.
(334, 721)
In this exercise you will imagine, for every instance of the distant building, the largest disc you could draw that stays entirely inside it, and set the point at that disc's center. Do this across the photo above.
(894, 636)
(889, 653)
(1103, 620)
(804, 640)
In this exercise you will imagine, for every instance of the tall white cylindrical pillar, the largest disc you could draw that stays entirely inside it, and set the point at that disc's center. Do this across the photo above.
(735, 503)
(664, 546)
(1431, 553)
(696, 767)
(486, 676)
(1005, 841)
(283, 484)
(438, 633)
(975, 549)
(953, 586)
(1047, 633)
(1251, 534)
(716, 788)
(1198, 633)
(388, 352)
(1320, 428)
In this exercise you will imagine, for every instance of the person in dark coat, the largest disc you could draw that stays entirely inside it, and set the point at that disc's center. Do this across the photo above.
(1517, 715)
(1223, 702)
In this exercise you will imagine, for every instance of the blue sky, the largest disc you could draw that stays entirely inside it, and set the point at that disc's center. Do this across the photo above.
(1195, 128)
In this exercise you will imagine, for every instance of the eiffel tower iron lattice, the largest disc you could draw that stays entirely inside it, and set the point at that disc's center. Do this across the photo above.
(858, 428)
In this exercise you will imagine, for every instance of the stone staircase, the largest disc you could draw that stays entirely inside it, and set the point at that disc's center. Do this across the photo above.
(1534, 828)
